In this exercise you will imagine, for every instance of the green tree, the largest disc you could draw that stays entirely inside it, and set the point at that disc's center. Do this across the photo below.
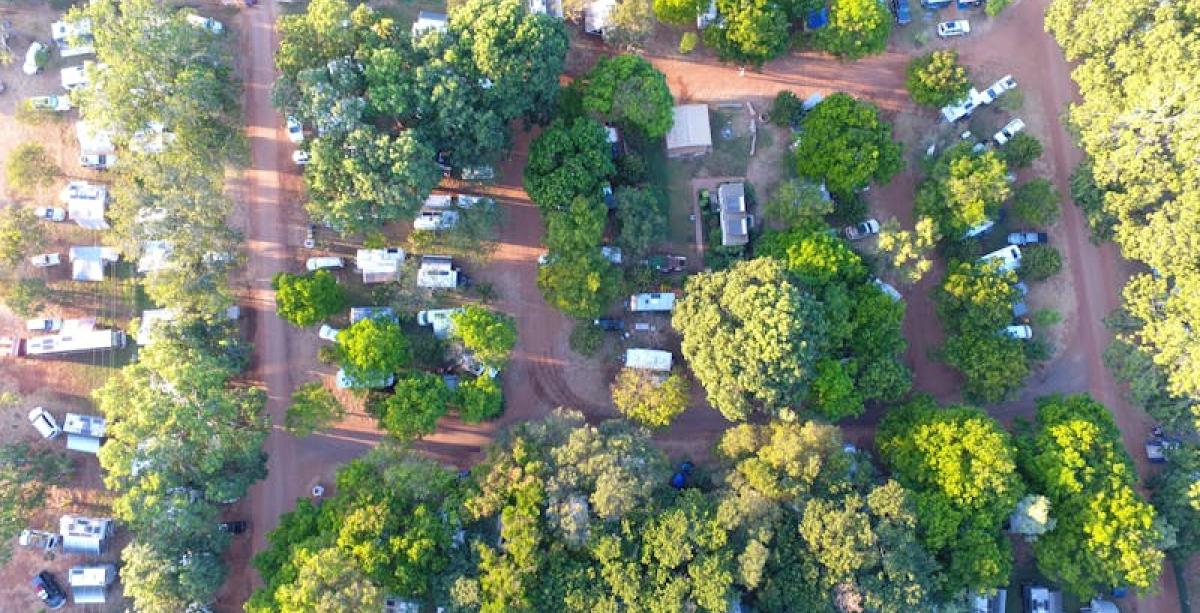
(994, 365)
(857, 28)
(677, 12)
(1021, 150)
(1036, 203)
(479, 399)
(313, 407)
(786, 109)
(798, 202)
(25, 297)
(752, 31)
(580, 285)
(963, 190)
(328, 580)
(304, 300)
(568, 161)
(643, 216)
(629, 91)
(1177, 499)
(26, 474)
(159, 581)
(1040, 262)
(908, 251)
(833, 394)
(20, 234)
(975, 303)
(29, 167)
(415, 406)
(644, 398)
(750, 336)
(814, 257)
(630, 23)
(373, 349)
(844, 143)
(1089, 197)
(937, 79)
(489, 335)
(369, 179)
(578, 229)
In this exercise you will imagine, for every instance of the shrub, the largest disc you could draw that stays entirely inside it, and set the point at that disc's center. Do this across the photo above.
(479, 399)
(313, 407)
(687, 42)
(1040, 262)
(586, 338)
(1021, 151)
(30, 167)
(994, 7)
(786, 109)
(25, 297)
(937, 79)
(1036, 202)
(304, 300)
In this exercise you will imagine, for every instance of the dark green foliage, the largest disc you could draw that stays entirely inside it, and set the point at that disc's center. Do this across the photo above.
(751, 31)
(975, 304)
(1021, 150)
(1036, 203)
(786, 109)
(478, 399)
(643, 216)
(628, 91)
(414, 407)
(568, 160)
(844, 143)
(26, 476)
(1040, 262)
(304, 300)
(1089, 197)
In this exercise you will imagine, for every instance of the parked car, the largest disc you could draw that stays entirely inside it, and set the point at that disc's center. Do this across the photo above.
(39, 539)
(47, 590)
(301, 157)
(233, 527)
(1008, 131)
(979, 228)
(610, 324)
(902, 12)
(50, 213)
(97, 161)
(45, 260)
(862, 229)
(959, 27)
(31, 66)
(49, 103)
(319, 263)
(295, 130)
(1027, 238)
(892, 292)
(44, 422)
(206, 23)
(478, 173)
(43, 324)
(435, 220)
(328, 333)
(999, 88)
(1021, 332)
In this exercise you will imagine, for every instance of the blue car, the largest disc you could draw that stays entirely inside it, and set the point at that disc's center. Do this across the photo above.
(902, 12)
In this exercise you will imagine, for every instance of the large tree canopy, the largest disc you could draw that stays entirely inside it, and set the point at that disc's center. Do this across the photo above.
(751, 31)
(568, 160)
(631, 92)
(856, 28)
(844, 143)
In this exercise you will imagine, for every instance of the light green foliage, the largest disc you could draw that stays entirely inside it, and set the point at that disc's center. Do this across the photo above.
(643, 216)
(578, 229)
(26, 475)
(478, 399)
(844, 143)
(857, 28)
(752, 31)
(963, 190)
(687, 42)
(304, 300)
(937, 79)
(677, 12)
(313, 407)
(750, 337)
(486, 333)
(994, 7)
(833, 394)
(631, 92)
(568, 161)
(20, 234)
(642, 397)
(29, 167)
(1021, 150)
(814, 257)
(369, 179)
(961, 466)
(580, 285)
(1106, 534)
(416, 404)
(798, 202)
(372, 349)
(328, 580)
(1040, 262)
(25, 297)
(974, 304)
(1177, 499)
(158, 583)
(1036, 203)
(631, 23)
(908, 251)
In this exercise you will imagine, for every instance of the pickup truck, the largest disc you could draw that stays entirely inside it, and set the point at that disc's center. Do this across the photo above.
(1027, 238)
(50, 103)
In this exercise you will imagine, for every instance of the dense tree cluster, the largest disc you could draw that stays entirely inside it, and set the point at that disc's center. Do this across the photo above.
(385, 104)
(856, 28)
(650, 400)
(26, 475)
(845, 144)
(1106, 535)
(963, 189)
(628, 91)
(304, 300)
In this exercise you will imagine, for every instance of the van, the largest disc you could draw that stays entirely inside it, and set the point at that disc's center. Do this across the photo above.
(1008, 257)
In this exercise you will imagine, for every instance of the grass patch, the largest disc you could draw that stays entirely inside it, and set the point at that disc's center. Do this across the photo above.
(405, 11)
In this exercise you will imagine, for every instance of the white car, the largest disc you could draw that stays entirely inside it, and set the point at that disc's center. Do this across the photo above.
(1023, 333)
(207, 23)
(328, 333)
(295, 131)
(318, 263)
(1009, 130)
(50, 213)
(31, 66)
(97, 161)
(45, 260)
(301, 157)
(435, 220)
(960, 27)
(44, 422)
(43, 324)
(891, 292)
(979, 228)
(38, 539)
(862, 229)
(74, 76)
(999, 88)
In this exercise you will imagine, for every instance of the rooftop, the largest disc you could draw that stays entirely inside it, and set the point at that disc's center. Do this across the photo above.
(691, 128)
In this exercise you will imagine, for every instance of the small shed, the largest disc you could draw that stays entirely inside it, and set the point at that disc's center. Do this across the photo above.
(85, 534)
(735, 221)
(87, 263)
(84, 432)
(86, 203)
(428, 21)
(379, 265)
(663, 302)
(648, 359)
(990, 603)
(690, 135)
(89, 584)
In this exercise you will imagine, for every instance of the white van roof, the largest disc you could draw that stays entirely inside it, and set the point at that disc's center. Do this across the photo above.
(1009, 258)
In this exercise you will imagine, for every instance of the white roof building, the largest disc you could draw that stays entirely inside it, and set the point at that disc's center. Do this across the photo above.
(1009, 258)
(552, 8)
(437, 272)
(87, 263)
(63, 31)
(428, 22)
(152, 139)
(735, 222)
(379, 265)
(152, 318)
(441, 320)
(74, 342)
(690, 135)
(648, 359)
(84, 432)
(93, 140)
(597, 16)
(156, 256)
(84, 534)
(662, 302)
(86, 203)
(89, 584)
